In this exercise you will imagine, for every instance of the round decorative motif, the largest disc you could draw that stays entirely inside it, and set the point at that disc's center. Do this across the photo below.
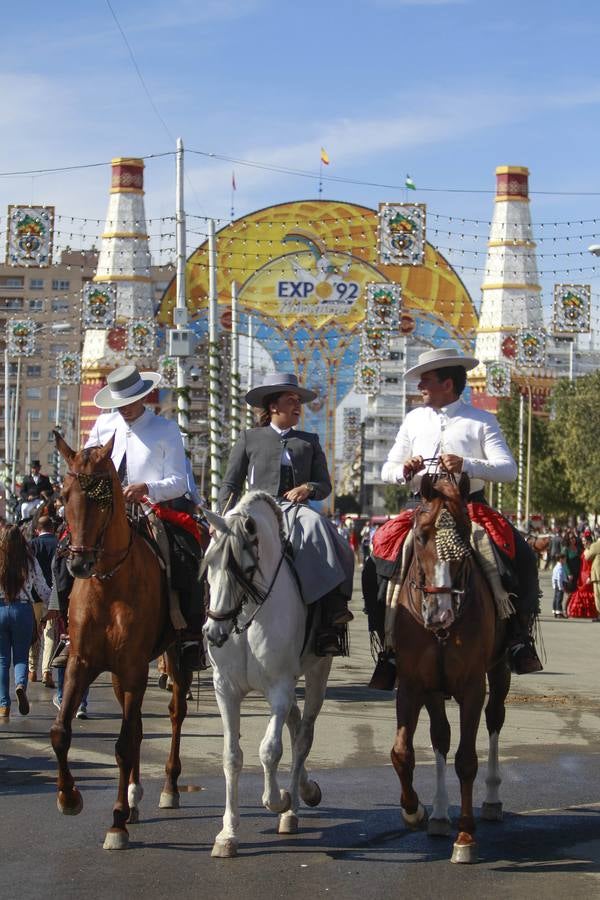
(117, 338)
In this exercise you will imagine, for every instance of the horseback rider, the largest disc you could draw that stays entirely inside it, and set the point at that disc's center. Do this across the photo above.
(36, 487)
(148, 454)
(290, 465)
(449, 433)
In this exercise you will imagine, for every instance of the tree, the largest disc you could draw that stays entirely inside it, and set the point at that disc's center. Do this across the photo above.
(550, 488)
(574, 427)
(394, 498)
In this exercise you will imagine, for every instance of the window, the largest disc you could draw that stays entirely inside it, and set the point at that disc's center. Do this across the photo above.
(52, 392)
(50, 458)
(11, 302)
(60, 305)
(58, 284)
(395, 354)
(33, 393)
(52, 372)
(391, 379)
(58, 348)
(35, 435)
(12, 368)
(34, 371)
(36, 284)
(35, 414)
(11, 281)
(36, 305)
(50, 436)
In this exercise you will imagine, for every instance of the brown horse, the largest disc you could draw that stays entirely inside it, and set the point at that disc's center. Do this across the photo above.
(118, 622)
(447, 639)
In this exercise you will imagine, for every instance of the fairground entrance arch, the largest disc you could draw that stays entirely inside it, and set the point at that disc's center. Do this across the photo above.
(301, 269)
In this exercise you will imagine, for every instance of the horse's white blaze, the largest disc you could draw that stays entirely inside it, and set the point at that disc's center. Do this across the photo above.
(267, 658)
(440, 799)
(493, 779)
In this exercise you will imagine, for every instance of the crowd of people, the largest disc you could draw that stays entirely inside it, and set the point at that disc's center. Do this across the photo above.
(574, 555)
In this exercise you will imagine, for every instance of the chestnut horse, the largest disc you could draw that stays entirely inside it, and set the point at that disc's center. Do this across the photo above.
(447, 638)
(118, 622)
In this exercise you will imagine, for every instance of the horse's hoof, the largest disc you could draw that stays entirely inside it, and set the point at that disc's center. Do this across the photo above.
(416, 820)
(134, 816)
(116, 839)
(72, 807)
(288, 823)
(439, 828)
(465, 849)
(491, 812)
(285, 803)
(312, 795)
(168, 801)
(225, 849)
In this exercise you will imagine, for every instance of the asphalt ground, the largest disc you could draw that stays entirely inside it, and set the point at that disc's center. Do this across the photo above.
(354, 844)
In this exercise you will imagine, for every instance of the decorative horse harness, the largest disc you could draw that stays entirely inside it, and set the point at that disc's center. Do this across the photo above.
(451, 546)
(98, 489)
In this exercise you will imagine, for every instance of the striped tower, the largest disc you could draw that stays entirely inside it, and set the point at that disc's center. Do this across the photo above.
(124, 260)
(512, 297)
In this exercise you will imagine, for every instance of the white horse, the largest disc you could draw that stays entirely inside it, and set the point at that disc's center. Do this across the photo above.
(255, 631)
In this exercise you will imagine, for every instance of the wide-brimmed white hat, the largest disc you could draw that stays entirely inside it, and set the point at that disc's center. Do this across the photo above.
(439, 359)
(278, 383)
(124, 386)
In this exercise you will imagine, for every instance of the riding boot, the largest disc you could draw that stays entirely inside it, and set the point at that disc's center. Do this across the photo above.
(332, 633)
(522, 655)
(384, 676)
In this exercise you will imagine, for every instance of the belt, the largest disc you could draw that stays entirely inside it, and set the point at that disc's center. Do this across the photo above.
(475, 497)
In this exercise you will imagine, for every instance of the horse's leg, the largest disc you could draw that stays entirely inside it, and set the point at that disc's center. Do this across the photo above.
(302, 734)
(471, 704)
(439, 731)
(408, 707)
(280, 699)
(77, 679)
(127, 753)
(169, 798)
(135, 791)
(227, 841)
(499, 684)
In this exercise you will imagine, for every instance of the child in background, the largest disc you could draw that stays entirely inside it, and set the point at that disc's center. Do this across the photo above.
(560, 577)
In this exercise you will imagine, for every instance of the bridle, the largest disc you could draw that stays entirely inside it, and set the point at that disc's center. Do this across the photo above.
(98, 488)
(250, 592)
(450, 547)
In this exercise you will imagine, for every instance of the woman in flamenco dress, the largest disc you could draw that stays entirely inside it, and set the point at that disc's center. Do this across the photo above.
(581, 603)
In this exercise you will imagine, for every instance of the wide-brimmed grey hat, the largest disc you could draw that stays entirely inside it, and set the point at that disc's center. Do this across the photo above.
(124, 386)
(440, 359)
(278, 383)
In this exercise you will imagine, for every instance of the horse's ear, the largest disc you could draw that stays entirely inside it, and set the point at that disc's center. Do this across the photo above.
(63, 448)
(427, 488)
(464, 485)
(215, 521)
(106, 449)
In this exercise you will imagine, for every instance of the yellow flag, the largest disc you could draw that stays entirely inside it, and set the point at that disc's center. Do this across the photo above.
(324, 157)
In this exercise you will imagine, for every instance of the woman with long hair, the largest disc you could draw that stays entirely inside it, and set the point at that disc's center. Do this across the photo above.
(20, 575)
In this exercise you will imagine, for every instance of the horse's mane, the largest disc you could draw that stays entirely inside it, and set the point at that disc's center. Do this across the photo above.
(245, 504)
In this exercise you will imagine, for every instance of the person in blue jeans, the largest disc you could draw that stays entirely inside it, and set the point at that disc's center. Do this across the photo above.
(20, 576)
(82, 712)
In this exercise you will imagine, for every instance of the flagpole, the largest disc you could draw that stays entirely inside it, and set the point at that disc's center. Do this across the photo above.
(320, 177)
(232, 196)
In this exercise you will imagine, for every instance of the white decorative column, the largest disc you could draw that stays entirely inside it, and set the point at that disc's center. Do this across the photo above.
(511, 293)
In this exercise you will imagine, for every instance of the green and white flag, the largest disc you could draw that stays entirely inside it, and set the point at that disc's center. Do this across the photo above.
(409, 183)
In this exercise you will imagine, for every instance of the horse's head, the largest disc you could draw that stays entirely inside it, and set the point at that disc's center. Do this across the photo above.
(442, 531)
(245, 544)
(89, 496)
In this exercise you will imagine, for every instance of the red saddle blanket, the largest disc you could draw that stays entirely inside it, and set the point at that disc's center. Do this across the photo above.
(389, 537)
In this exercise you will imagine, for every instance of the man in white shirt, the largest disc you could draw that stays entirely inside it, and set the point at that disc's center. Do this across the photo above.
(148, 450)
(464, 439)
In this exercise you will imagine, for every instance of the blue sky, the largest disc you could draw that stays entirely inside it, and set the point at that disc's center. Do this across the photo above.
(445, 90)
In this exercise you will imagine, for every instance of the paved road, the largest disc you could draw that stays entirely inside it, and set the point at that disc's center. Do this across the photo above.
(353, 845)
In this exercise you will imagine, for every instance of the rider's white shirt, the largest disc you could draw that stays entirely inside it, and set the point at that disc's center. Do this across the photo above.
(458, 428)
(155, 453)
